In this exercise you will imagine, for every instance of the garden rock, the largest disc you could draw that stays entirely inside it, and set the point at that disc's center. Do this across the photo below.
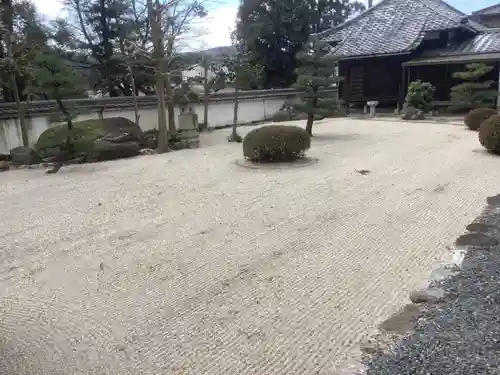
(411, 113)
(299, 116)
(150, 141)
(283, 115)
(429, 295)
(4, 166)
(24, 156)
(105, 150)
(419, 115)
(408, 112)
(147, 151)
(86, 133)
(120, 138)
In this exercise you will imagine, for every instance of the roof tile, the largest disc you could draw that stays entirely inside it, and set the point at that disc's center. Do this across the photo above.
(488, 42)
(493, 9)
(393, 26)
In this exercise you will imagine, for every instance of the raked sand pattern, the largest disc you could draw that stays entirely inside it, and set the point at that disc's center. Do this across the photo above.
(185, 263)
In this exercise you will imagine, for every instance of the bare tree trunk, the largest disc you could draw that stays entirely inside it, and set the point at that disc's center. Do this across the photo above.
(159, 56)
(162, 112)
(170, 106)
(309, 124)
(235, 114)
(21, 110)
(7, 32)
(205, 94)
(70, 149)
(134, 94)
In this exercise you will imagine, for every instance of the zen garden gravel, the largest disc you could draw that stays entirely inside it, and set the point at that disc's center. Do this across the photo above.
(188, 264)
(460, 335)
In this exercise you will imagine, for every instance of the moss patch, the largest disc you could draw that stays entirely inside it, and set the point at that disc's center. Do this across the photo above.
(84, 133)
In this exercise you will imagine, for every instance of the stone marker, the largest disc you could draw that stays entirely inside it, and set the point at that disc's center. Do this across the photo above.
(372, 105)
(189, 129)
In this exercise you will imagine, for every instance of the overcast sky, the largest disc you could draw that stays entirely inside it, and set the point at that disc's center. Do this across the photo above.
(215, 29)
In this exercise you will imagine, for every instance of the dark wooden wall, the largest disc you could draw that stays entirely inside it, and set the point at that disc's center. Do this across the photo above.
(441, 77)
(371, 79)
(382, 79)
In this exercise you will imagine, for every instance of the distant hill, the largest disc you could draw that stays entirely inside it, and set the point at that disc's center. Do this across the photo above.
(211, 53)
(220, 51)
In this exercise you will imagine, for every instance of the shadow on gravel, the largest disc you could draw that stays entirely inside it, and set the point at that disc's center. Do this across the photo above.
(460, 335)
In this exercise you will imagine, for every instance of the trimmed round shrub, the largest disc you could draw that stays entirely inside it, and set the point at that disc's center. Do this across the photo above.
(475, 118)
(276, 143)
(489, 134)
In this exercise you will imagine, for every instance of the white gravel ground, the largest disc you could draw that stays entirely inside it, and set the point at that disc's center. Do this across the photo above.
(185, 263)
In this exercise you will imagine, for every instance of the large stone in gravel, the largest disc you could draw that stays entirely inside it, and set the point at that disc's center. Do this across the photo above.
(411, 113)
(429, 295)
(493, 200)
(4, 166)
(476, 240)
(442, 273)
(283, 115)
(479, 227)
(403, 320)
(24, 156)
(104, 150)
(85, 133)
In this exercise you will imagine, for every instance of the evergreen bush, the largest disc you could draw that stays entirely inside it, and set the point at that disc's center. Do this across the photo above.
(475, 118)
(276, 143)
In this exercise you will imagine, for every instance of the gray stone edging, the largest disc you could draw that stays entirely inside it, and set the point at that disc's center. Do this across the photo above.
(475, 237)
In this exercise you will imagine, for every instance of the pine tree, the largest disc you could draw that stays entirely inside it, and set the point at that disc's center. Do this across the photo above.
(274, 31)
(54, 78)
(239, 73)
(316, 79)
(472, 92)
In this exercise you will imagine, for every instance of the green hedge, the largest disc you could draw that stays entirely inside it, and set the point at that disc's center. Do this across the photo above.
(276, 143)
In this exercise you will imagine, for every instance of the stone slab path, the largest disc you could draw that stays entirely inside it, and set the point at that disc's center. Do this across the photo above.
(188, 264)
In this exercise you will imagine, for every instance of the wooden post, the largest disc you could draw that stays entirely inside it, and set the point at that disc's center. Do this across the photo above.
(346, 86)
(402, 90)
(498, 85)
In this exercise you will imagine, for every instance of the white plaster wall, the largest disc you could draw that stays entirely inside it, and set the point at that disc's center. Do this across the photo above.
(219, 114)
(197, 71)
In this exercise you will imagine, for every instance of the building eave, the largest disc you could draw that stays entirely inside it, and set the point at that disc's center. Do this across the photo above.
(454, 59)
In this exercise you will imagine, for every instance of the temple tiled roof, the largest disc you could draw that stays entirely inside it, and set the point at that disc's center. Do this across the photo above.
(393, 27)
(484, 46)
(494, 9)
(488, 42)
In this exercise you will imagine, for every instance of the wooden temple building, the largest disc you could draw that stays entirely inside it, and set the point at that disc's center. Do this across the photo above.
(398, 41)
